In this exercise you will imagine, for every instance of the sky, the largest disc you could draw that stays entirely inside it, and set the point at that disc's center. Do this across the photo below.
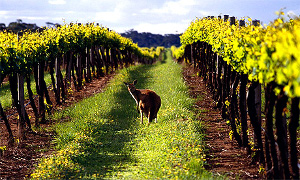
(155, 16)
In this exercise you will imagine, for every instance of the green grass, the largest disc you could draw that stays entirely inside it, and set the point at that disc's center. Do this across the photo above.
(105, 140)
(5, 95)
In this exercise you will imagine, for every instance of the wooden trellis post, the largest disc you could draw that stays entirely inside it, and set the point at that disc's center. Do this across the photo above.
(21, 119)
(59, 80)
(88, 76)
(293, 125)
(79, 71)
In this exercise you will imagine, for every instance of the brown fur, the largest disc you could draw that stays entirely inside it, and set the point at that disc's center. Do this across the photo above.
(148, 102)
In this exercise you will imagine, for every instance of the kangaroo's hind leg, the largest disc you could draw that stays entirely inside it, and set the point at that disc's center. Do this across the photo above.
(149, 116)
(141, 112)
(155, 114)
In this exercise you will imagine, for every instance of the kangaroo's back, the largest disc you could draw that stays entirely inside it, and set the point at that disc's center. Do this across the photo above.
(148, 101)
(152, 101)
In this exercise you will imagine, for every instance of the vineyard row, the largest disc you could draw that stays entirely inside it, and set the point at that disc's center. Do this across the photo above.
(78, 51)
(234, 58)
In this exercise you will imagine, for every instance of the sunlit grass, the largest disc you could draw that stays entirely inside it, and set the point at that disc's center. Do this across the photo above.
(105, 140)
(173, 148)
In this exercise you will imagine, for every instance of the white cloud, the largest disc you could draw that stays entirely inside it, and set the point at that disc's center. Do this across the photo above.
(162, 28)
(57, 2)
(205, 13)
(33, 18)
(157, 16)
(181, 7)
(115, 15)
(3, 13)
(292, 14)
(108, 16)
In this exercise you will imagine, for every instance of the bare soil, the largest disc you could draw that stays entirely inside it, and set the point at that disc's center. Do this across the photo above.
(18, 162)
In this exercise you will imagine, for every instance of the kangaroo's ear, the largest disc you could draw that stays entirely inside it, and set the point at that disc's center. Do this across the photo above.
(134, 82)
(125, 83)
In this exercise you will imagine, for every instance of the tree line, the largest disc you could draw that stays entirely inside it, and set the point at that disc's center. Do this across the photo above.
(146, 39)
(18, 25)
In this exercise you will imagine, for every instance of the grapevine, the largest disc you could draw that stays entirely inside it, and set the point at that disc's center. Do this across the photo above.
(19, 52)
(233, 58)
(265, 54)
(85, 50)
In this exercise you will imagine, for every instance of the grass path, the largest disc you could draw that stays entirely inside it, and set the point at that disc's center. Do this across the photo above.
(103, 138)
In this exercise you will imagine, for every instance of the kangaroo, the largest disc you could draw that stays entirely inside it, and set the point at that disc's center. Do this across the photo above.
(147, 101)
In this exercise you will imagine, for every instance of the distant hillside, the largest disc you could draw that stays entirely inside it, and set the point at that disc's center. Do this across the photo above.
(152, 40)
